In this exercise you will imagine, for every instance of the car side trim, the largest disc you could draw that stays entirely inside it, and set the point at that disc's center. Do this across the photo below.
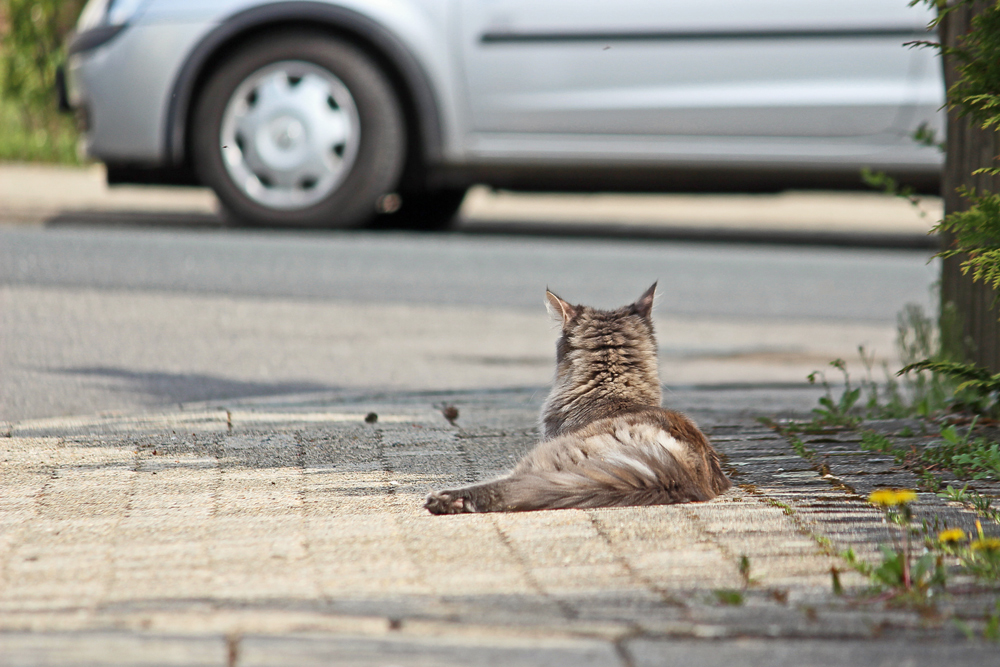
(322, 15)
(506, 37)
(91, 39)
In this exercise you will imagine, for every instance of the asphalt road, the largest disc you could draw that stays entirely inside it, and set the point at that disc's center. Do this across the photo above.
(125, 318)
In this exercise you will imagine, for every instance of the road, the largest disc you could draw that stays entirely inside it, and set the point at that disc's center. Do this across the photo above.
(100, 318)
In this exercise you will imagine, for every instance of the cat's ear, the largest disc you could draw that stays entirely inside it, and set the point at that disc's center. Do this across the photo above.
(644, 306)
(558, 308)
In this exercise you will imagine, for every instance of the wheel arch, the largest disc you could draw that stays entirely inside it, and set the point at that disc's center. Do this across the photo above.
(420, 106)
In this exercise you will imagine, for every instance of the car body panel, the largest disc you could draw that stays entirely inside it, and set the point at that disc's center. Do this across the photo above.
(768, 83)
(630, 80)
(126, 86)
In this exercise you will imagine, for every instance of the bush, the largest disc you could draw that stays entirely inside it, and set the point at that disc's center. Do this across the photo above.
(33, 34)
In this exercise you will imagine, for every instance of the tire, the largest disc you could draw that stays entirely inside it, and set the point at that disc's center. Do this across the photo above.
(432, 210)
(299, 130)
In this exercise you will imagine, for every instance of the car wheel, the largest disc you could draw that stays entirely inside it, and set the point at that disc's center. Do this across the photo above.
(432, 210)
(299, 129)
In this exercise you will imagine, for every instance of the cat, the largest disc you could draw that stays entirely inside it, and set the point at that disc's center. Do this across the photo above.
(606, 441)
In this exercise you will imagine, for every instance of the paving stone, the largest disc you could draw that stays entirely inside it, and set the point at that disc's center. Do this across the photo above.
(815, 653)
(248, 540)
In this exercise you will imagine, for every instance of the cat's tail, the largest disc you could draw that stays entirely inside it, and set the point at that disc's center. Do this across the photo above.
(627, 478)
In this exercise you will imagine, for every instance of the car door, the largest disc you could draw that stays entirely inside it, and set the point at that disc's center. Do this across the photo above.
(609, 70)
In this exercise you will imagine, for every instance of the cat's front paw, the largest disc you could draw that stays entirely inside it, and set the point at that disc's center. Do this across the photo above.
(447, 502)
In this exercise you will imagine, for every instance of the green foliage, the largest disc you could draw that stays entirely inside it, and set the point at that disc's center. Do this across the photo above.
(983, 505)
(836, 412)
(835, 585)
(991, 625)
(876, 442)
(787, 509)
(926, 136)
(976, 233)
(33, 47)
(921, 392)
(976, 93)
(859, 565)
(801, 449)
(955, 495)
(968, 458)
(928, 480)
(975, 387)
(901, 572)
(879, 180)
(925, 573)
(729, 597)
(992, 630)
(979, 557)
(32, 38)
(744, 568)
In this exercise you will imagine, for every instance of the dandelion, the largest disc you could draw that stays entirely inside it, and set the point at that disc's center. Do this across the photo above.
(990, 545)
(952, 535)
(892, 497)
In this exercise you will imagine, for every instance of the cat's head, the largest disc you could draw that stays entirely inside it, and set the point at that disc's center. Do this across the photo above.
(587, 331)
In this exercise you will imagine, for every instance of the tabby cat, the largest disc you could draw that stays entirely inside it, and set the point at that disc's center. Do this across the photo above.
(605, 439)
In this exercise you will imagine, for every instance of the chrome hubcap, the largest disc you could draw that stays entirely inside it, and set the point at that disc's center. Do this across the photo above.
(290, 134)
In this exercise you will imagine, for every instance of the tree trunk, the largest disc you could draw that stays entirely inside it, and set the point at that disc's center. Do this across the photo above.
(976, 329)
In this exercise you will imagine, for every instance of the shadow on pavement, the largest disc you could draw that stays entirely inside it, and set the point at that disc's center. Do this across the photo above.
(137, 219)
(188, 387)
(744, 235)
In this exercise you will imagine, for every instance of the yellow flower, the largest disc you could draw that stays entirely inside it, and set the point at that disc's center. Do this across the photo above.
(990, 544)
(952, 535)
(891, 497)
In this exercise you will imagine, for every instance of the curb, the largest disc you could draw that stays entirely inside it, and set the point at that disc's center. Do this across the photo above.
(706, 235)
(540, 229)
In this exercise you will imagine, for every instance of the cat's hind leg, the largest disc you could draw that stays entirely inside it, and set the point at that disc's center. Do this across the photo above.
(524, 492)
(446, 502)
(485, 497)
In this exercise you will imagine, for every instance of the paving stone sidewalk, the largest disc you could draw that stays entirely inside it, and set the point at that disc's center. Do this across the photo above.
(292, 533)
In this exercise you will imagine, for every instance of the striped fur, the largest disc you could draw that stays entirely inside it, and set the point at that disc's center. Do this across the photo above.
(605, 440)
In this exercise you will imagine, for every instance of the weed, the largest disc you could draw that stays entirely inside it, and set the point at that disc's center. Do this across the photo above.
(728, 596)
(859, 565)
(876, 442)
(991, 625)
(800, 447)
(922, 391)
(927, 480)
(784, 507)
(837, 587)
(983, 505)
(982, 556)
(879, 180)
(968, 458)
(927, 136)
(835, 412)
(992, 630)
(901, 573)
(899, 570)
(955, 495)
(824, 542)
(744, 567)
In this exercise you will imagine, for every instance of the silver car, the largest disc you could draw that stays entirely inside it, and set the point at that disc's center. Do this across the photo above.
(328, 112)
